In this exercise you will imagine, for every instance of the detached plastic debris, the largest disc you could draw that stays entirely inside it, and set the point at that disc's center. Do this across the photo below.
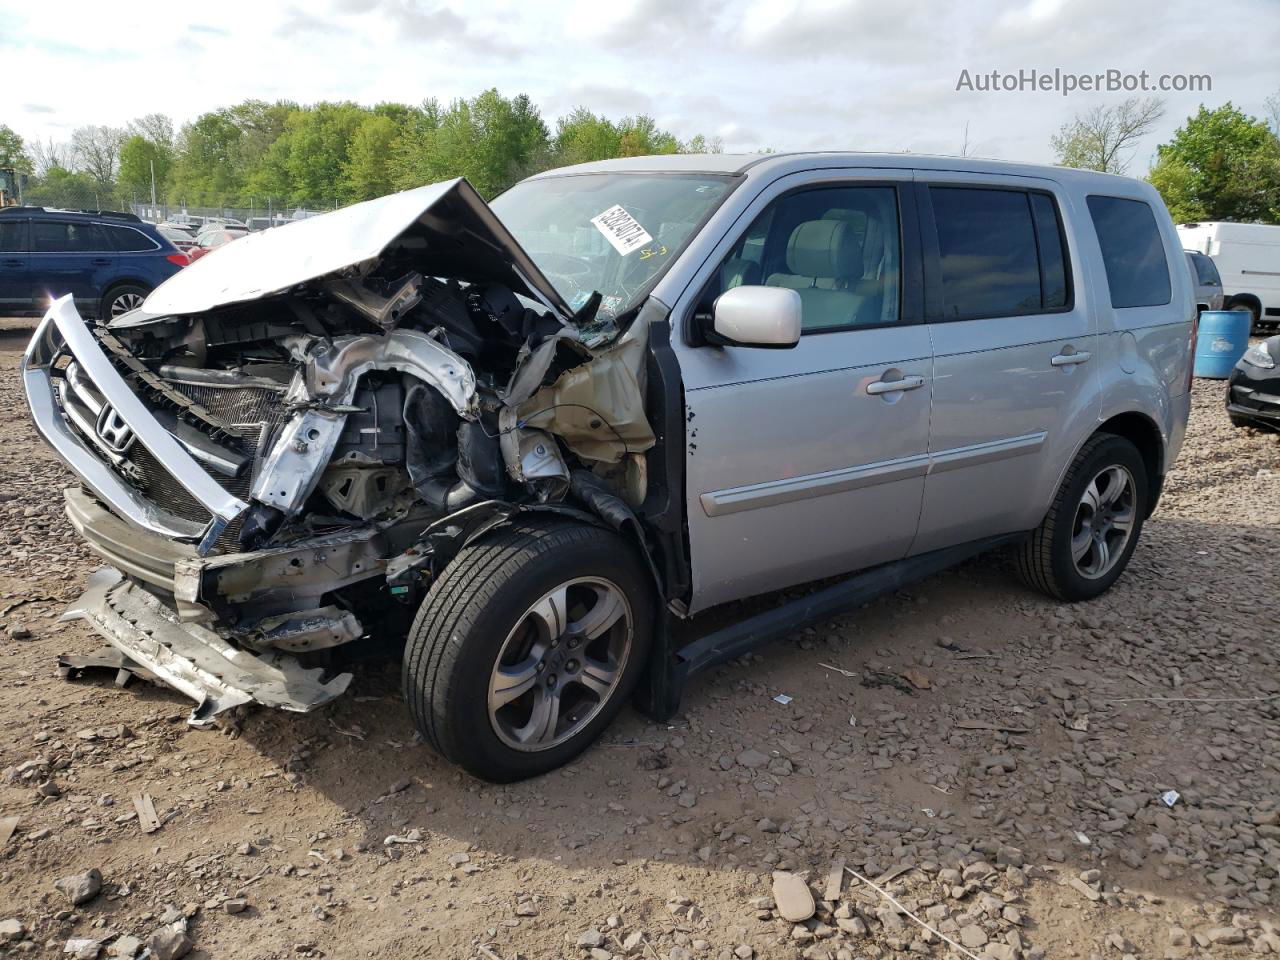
(1170, 797)
(1083, 839)
(782, 698)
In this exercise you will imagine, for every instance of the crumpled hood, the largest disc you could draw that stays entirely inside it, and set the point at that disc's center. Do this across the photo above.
(460, 235)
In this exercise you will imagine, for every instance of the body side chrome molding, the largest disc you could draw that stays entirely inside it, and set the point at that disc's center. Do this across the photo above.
(719, 503)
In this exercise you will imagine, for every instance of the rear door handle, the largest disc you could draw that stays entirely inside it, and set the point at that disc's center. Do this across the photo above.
(1067, 359)
(11, 263)
(101, 262)
(892, 386)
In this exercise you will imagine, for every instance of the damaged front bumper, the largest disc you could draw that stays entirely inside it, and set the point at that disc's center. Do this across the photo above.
(121, 419)
(193, 658)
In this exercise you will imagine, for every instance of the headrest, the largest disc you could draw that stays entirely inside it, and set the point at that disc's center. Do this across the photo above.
(825, 249)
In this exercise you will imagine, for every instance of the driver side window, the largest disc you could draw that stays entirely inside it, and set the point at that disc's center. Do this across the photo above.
(839, 248)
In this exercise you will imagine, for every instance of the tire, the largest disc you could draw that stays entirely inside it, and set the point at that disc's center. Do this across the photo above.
(493, 606)
(1253, 314)
(120, 300)
(1047, 560)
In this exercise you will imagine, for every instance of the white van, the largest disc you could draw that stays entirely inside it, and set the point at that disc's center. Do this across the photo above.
(1248, 258)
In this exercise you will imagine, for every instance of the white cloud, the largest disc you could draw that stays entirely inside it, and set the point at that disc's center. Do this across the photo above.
(786, 74)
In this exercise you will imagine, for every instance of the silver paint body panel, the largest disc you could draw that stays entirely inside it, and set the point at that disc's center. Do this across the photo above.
(793, 472)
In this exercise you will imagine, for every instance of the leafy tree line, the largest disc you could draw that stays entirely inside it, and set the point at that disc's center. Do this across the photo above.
(325, 154)
(1221, 164)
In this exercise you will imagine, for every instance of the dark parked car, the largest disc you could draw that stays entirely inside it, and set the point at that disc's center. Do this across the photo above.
(108, 261)
(1253, 389)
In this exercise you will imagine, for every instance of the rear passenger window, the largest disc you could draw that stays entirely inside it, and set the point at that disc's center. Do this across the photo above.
(839, 248)
(1132, 252)
(1000, 251)
(11, 236)
(52, 236)
(129, 240)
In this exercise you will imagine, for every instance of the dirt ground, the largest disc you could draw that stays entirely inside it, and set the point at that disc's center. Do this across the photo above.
(1012, 803)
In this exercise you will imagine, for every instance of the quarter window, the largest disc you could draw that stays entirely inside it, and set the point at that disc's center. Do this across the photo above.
(52, 236)
(1137, 272)
(1000, 251)
(129, 240)
(839, 248)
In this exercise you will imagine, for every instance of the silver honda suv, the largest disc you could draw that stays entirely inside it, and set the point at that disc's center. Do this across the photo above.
(515, 443)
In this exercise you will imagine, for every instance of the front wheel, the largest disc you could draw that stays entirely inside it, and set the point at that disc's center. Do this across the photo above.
(1086, 539)
(528, 646)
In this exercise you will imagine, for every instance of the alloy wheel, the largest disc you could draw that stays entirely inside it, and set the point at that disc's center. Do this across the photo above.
(560, 664)
(124, 303)
(1104, 522)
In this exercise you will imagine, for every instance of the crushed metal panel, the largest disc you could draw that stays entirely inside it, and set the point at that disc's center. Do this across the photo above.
(597, 407)
(463, 239)
(193, 659)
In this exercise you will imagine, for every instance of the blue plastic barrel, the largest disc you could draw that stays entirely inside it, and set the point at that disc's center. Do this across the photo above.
(1223, 339)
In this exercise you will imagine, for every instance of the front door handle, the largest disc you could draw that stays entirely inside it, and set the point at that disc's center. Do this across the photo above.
(891, 386)
(1067, 359)
(101, 262)
(10, 263)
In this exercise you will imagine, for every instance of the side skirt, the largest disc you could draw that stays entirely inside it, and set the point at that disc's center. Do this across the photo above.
(670, 669)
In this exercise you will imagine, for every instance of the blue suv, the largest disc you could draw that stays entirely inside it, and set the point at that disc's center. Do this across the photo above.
(108, 261)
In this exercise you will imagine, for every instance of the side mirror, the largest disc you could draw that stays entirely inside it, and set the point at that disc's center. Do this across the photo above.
(752, 316)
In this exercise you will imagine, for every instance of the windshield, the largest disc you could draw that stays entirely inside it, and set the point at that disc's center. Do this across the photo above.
(608, 232)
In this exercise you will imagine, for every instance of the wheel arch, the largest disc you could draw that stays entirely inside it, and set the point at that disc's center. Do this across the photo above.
(1143, 433)
(1251, 300)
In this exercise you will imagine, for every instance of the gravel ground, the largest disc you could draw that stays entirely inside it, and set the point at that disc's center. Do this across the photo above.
(1011, 800)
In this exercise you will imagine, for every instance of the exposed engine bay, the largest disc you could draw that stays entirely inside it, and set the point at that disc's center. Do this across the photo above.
(352, 399)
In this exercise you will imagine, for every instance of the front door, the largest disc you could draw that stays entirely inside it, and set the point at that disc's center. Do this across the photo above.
(809, 462)
(1016, 385)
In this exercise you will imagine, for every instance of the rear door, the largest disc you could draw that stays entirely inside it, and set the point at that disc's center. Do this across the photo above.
(70, 256)
(1016, 386)
(809, 462)
(15, 284)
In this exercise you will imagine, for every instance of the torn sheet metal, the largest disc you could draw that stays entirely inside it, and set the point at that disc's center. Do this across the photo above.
(598, 407)
(192, 658)
(460, 234)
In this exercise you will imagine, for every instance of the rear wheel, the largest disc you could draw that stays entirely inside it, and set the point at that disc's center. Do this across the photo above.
(527, 647)
(1085, 541)
(122, 299)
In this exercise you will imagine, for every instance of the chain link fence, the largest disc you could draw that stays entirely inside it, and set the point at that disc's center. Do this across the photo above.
(267, 211)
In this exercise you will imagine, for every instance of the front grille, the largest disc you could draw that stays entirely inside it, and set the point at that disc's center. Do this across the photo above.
(162, 487)
(242, 409)
(246, 412)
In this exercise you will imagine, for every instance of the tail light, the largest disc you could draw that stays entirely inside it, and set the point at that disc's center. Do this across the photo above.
(179, 259)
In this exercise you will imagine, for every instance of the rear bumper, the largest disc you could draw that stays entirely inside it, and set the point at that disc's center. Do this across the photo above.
(191, 657)
(62, 333)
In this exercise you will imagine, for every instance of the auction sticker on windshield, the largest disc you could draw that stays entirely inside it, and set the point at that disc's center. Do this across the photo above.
(621, 229)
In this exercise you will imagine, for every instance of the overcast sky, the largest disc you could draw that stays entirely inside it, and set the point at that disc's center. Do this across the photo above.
(786, 74)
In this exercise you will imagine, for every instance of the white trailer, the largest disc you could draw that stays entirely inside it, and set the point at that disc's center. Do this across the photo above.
(1248, 258)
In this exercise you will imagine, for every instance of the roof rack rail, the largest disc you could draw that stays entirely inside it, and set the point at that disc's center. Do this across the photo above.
(104, 214)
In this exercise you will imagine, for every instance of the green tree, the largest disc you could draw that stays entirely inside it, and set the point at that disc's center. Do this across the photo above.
(141, 160)
(60, 187)
(368, 170)
(204, 172)
(491, 140)
(13, 152)
(1101, 138)
(582, 137)
(1220, 165)
(639, 136)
